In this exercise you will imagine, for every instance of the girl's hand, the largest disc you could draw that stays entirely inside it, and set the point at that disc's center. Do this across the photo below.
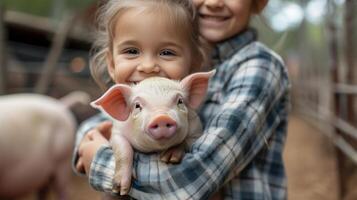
(90, 144)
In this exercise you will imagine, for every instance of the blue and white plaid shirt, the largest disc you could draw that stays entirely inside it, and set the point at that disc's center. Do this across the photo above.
(245, 120)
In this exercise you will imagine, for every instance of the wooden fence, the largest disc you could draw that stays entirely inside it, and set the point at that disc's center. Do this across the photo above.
(328, 100)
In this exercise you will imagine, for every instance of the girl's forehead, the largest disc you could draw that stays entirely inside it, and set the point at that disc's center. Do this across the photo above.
(157, 19)
(163, 14)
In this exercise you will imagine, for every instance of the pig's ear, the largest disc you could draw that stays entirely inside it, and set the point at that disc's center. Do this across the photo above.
(196, 87)
(114, 102)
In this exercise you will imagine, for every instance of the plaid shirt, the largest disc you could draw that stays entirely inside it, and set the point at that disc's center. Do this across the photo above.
(245, 120)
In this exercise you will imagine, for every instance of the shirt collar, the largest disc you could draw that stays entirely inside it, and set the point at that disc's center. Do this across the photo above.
(222, 51)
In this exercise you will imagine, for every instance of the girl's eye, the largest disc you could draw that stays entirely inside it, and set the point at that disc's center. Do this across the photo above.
(167, 52)
(131, 51)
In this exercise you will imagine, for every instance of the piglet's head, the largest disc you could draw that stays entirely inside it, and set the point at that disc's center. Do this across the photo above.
(116, 101)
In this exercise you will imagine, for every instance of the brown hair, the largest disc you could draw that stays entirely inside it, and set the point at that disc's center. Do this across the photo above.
(181, 13)
(258, 6)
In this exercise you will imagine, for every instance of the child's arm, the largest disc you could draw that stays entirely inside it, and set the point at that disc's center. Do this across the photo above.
(251, 113)
(94, 126)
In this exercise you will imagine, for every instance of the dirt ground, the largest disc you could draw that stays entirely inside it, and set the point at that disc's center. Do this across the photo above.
(80, 190)
(310, 161)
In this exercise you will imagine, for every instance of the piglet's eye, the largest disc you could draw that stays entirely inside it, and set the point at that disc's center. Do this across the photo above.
(137, 106)
(180, 101)
(180, 104)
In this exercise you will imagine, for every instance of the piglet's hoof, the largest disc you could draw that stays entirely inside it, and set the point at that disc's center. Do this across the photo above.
(121, 185)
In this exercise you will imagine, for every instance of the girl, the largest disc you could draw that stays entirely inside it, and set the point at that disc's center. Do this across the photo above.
(138, 39)
(244, 117)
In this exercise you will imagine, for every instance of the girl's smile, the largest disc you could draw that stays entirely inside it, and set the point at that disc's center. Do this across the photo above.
(151, 46)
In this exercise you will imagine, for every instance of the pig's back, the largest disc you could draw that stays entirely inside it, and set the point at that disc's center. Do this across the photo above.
(30, 117)
(35, 130)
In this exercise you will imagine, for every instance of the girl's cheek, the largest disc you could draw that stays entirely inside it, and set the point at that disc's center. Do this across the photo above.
(122, 72)
(196, 3)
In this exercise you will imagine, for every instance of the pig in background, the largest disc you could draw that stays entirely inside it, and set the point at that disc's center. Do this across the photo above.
(155, 115)
(36, 140)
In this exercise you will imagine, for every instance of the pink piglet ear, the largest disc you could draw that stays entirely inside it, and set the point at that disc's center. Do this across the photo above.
(196, 86)
(114, 102)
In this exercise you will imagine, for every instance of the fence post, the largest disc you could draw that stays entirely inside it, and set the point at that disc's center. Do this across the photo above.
(57, 46)
(349, 54)
(334, 73)
(3, 70)
(348, 169)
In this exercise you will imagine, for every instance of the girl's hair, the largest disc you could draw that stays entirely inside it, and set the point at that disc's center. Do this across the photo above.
(181, 13)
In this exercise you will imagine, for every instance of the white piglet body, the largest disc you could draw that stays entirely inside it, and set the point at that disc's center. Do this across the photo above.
(156, 115)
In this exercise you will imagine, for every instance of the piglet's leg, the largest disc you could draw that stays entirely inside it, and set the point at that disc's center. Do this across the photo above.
(123, 153)
(173, 154)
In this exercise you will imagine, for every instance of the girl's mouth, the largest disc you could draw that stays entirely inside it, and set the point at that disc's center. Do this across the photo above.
(133, 82)
(213, 18)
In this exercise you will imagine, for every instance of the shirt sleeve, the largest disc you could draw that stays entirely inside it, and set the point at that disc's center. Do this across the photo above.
(81, 132)
(231, 139)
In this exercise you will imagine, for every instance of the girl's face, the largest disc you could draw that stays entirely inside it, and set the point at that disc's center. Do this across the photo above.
(145, 44)
(221, 19)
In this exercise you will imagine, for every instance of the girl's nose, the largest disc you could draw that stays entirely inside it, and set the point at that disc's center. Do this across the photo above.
(214, 3)
(148, 65)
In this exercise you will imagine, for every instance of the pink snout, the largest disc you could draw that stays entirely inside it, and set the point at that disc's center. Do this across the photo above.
(162, 127)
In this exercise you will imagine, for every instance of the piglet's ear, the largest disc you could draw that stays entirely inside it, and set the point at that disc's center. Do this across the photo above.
(114, 102)
(196, 87)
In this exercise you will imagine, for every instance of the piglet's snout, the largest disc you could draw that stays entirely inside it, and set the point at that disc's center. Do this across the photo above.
(162, 127)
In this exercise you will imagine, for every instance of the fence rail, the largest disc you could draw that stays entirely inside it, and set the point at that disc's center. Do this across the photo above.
(345, 89)
(330, 121)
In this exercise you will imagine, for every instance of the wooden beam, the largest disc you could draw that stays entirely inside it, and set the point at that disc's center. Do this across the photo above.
(42, 24)
(350, 54)
(51, 61)
(3, 70)
(334, 75)
(345, 89)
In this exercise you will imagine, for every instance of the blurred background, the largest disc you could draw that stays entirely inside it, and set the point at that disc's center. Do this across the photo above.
(44, 47)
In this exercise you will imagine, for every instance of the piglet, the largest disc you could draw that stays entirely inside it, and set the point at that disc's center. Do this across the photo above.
(156, 115)
(36, 141)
